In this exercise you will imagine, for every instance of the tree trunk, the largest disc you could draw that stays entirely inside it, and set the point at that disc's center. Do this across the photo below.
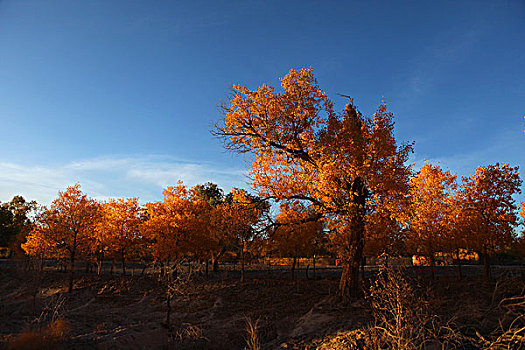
(294, 262)
(168, 311)
(206, 269)
(72, 272)
(100, 260)
(353, 251)
(123, 262)
(349, 283)
(363, 263)
(215, 259)
(486, 263)
(315, 276)
(214, 264)
(432, 266)
(460, 273)
(112, 266)
(242, 261)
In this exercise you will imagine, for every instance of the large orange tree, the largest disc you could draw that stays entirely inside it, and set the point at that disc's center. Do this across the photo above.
(344, 165)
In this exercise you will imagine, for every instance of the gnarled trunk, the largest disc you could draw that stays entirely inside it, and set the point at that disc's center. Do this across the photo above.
(354, 242)
(215, 259)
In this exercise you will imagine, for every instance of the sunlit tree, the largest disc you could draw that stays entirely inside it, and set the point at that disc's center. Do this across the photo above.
(178, 227)
(242, 214)
(67, 225)
(39, 242)
(343, 165)
(486, 198)
(430, 210)
(119, 227)
(295, 235)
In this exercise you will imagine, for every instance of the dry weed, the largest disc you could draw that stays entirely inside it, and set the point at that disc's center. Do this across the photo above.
(402, 318)
(252, 335)
(189, 332)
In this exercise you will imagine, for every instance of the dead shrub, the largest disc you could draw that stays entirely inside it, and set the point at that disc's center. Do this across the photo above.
(510, 333)
(402, 318)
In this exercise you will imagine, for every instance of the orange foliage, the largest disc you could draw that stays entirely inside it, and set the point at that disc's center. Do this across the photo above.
(296, 233)
(177, 227)
(430, 209)
(118, 228)
(345, 166)
(489, 209)
(64, 229)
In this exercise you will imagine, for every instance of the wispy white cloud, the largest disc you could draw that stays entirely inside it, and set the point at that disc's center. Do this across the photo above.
(113, 176)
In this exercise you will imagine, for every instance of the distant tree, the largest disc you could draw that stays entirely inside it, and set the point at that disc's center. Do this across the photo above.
(431, 202)
(178, 227)
(295, 234)
(486, 198)
(221, 233)
(67, 225)
(344, 166)
(162, 227)
(119, 227)
(7, 232)
(210, 193)
(40, 243)
(15, 222)
(243, 212)
(219, 238)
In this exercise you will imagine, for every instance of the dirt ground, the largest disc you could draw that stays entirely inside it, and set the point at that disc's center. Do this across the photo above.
(130, 312)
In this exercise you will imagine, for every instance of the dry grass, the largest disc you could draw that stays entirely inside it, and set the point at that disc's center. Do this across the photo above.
(218, 313)
(446, 316)
(252, 335)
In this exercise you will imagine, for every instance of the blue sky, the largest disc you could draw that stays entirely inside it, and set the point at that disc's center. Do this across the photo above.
(121, 95)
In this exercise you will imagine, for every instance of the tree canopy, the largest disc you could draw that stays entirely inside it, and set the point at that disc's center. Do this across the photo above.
(345, 165)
